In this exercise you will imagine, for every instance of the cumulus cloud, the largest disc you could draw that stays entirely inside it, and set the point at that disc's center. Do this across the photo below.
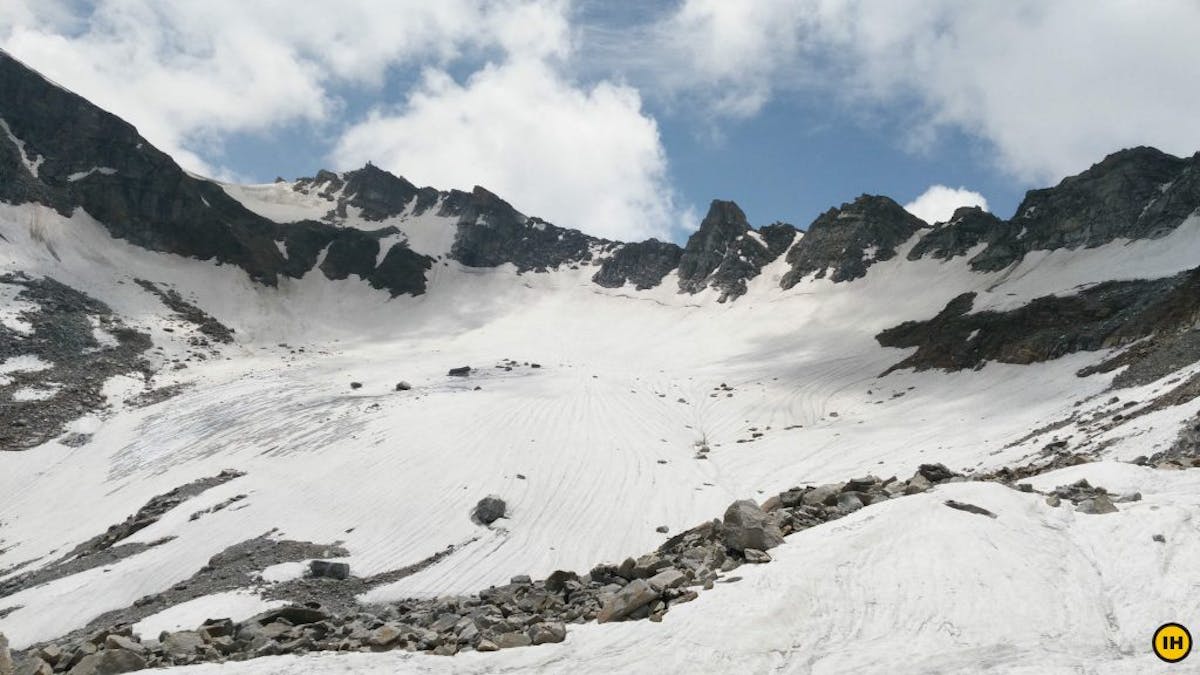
(581, 157)
(1053, 86)
(938, 203)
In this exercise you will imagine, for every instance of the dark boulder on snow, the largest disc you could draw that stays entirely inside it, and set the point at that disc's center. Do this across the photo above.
(489, 510)
(461, 371)
(323, 569)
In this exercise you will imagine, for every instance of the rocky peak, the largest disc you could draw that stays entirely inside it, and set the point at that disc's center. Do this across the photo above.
(726, 252)
(845, 241)
(491, 233)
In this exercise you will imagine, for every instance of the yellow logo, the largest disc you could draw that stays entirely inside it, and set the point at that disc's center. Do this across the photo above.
(1172, 642)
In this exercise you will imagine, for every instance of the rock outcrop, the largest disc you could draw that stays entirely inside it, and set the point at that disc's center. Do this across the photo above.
(725, 252)
(843, 242)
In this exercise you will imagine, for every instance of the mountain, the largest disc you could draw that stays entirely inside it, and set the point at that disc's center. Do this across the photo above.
(344, 413)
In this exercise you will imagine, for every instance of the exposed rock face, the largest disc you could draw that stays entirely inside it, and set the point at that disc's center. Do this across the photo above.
(725, 252)
(1110, 314)
(491, 233)
(1131, 194)
(141, 195)
(643, 263)
(966, 229)
(843, 242)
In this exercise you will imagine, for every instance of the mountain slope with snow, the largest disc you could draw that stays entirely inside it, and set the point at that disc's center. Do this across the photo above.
(616, 389)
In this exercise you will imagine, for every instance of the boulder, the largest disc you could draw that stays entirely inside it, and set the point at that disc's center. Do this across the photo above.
(489, 509)
(824, 495)
(323, 569)
(546, 633)
(635, 595)
(935, 473)
(461, 371)
(668, 578)
(1097, 505)
(295, 615)
(403, 386)
(35, 666)
(755, 556)
(557, 581)
(109, 662)
(122, 642)
(182, 643)
(917, 484)
(747, 526)
(513, 639)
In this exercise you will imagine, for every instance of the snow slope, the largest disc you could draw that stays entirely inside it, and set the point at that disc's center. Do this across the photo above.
(1035, 590)
(604, 433)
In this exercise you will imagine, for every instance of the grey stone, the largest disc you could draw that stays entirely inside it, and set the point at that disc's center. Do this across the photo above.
(34, 666)
(969, 508)
(849, 502)
(823, 495)
(637, 594)
(122, 642)
(748, 526)
(462, 371)
(513, 639)
(668, 578)
(1053, 500)
(403, 386)
(182, 643)
(547, 632)
(756, 556)
(1097, 505)
(109, 662)
(917, 484)
(489, 509)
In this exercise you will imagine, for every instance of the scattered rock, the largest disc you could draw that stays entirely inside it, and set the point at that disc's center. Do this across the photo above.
(403, 386)
(462, 371)
(356, 385)
(662, 529)
(1159, 538)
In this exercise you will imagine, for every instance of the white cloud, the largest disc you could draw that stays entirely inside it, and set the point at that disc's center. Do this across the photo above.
(938, 203)
(189, 73)
(1053, 86)
(580, 157)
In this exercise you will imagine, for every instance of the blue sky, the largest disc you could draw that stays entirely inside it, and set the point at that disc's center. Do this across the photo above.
(625, 118)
